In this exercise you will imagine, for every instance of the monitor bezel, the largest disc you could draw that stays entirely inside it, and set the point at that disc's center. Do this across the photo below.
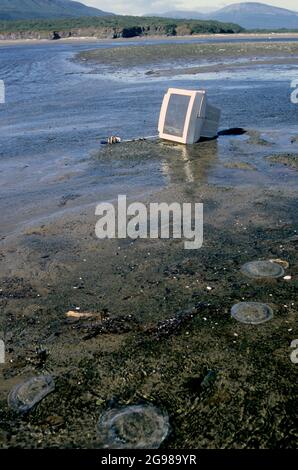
(177, 91)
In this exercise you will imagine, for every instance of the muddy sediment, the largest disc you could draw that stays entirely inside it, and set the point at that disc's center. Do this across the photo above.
(287, 159)
(200, 58)
(162, 313)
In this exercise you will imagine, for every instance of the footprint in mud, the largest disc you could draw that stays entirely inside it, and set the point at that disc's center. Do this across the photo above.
(26, 395)
(114, 326)
(173, 326)
(133, 427)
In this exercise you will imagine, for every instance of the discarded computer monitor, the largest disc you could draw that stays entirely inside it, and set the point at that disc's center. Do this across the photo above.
(186, 116)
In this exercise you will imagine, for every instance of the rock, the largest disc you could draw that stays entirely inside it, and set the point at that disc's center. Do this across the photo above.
(56, 36)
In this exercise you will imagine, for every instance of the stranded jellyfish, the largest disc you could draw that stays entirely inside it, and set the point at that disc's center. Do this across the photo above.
(133, 427)
(262, 269)
(26, 395)
(252, 313)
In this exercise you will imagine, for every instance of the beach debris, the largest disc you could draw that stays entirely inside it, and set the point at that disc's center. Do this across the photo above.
(76, 314)
(133, 427)
(232, 131)
(251, 313)
(262, 269)
(114, 140)
(173, 325)
(281, 262)
(194, 117)
(116, 326)
(26, 395)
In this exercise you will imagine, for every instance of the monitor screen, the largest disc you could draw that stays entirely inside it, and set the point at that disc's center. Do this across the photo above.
(176, 115)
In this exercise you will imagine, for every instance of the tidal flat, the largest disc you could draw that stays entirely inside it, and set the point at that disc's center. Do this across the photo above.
(130, 323)
(195, 57)
(160, 322)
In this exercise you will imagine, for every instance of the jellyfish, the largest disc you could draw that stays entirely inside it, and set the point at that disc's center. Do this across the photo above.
(133, 427)
(262, 269)
(252, 313)
(24, 396)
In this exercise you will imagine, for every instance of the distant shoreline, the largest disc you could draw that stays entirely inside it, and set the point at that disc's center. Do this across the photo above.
(13, 42)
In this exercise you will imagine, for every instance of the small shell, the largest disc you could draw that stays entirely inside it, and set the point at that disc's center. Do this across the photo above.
(72, 314)
(27, 394)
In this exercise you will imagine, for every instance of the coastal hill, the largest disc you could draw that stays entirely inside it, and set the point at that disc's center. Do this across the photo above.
(110, 27)
(31, 9)
(250, 15)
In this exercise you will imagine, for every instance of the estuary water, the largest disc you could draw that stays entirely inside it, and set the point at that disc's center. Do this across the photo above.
(57, 112)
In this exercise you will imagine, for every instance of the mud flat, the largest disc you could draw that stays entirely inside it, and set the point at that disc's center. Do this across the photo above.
(197, 56)
(162, 333)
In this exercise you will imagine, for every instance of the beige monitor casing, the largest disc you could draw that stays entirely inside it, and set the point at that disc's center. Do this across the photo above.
(202, 119)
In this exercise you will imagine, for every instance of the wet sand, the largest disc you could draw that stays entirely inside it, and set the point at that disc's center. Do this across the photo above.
(129, 353)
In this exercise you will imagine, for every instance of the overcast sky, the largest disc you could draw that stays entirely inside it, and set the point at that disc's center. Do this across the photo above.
(139, 7)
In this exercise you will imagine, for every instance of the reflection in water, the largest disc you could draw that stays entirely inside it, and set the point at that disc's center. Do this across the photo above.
(191, 163)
